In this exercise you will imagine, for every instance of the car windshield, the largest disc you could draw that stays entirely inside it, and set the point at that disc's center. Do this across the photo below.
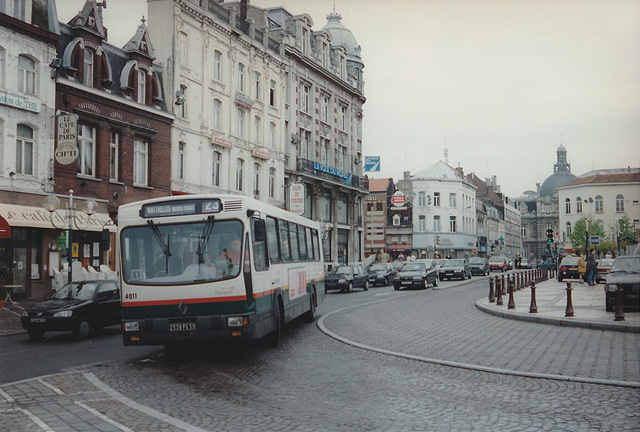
(496, 259)
(414, 267)
(377, 267)
(570, 261)
(606, 262)
(476, 261)
(453, 263)
(626, 265)
(76, 291)
(344, 270)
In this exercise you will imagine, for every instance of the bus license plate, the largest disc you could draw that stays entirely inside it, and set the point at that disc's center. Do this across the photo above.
(182, 326)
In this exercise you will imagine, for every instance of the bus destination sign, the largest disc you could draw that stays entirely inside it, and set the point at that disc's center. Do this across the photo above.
(181, 208)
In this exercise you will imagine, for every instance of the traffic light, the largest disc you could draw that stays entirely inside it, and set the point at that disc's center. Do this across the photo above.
(549, 235)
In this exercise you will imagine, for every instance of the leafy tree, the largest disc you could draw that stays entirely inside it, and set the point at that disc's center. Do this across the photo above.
(579, 234)
(626, 234)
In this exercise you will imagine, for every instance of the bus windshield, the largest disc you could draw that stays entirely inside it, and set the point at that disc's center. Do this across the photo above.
(181, 254)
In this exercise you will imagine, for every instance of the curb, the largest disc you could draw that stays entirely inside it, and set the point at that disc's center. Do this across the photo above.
(563, 322)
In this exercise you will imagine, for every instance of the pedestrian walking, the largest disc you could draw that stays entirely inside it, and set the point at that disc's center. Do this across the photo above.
(592, 267)
(582, 266)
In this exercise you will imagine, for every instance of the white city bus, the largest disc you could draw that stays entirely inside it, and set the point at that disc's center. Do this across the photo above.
(208, 267)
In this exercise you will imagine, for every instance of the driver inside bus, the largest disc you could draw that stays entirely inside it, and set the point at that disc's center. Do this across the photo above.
(232, 253)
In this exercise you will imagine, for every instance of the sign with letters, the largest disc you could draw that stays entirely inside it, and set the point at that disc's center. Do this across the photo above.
(67, 139)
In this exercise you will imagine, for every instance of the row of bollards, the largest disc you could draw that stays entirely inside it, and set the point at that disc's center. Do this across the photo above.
(517, 281)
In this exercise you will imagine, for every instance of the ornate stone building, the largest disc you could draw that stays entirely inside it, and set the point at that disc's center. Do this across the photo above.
(540, 211)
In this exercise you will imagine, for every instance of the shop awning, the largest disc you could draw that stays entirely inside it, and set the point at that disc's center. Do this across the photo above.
(5, 229)
(37, 217)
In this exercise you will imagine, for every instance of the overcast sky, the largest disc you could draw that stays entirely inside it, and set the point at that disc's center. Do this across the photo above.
(499, 83)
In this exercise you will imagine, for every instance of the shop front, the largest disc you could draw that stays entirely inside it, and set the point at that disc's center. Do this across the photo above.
(34, 242)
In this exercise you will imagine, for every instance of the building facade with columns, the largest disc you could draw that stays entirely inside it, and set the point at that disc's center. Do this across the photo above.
(263, 101)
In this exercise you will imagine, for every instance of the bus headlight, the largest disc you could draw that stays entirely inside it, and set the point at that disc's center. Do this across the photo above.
(130, 326)
(237, 321)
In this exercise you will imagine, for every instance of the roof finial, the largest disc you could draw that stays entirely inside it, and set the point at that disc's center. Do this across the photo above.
(143, 20)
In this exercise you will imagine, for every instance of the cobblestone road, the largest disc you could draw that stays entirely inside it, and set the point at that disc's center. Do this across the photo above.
(316, 383)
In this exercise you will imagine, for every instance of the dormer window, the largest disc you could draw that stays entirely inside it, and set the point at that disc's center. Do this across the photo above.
(88, 68)
(91, 22)
(142, 86)
(143, 46)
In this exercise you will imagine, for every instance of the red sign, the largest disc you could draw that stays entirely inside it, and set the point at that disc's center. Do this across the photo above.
(398, 199)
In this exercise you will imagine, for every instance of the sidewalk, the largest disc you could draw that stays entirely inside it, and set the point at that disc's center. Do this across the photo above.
(551, 298)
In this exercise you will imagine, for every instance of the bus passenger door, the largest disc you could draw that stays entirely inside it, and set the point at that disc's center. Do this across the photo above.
(263, 280)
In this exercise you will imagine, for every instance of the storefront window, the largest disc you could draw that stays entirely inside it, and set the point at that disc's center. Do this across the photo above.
(36, 254)
(343, 209)
(343, 246)
(324, 203)
(326, 248)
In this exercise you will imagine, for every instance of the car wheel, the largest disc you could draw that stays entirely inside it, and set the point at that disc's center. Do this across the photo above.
(83, 329)
(350, 289)
(559, 278)
(35, 334)
(366, 285)
(396, 287)
(273, 339)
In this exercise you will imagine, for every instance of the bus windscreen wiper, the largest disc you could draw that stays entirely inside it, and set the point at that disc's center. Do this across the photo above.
(164, 246)
(206, 233)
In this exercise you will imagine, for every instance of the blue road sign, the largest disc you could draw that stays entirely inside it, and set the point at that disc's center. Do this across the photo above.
(595, 240)
(372, 163)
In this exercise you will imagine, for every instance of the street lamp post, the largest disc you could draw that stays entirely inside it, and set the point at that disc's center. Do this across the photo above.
(52, 204)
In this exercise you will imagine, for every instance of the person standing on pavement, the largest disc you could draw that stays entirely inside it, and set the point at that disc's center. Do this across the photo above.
(582, 267)
(592, 267)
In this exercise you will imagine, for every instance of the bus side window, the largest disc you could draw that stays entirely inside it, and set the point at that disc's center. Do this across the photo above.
(302, 243)
(309, 244)
(316, 246)
(293, 235)
(284, 241)
(272, 240)
(258, 233)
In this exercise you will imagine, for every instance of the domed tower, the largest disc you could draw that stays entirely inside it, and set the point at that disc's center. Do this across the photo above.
(342, 36)
(561, 174)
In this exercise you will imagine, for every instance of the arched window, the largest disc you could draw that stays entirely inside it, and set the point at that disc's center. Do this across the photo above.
(272, 182)
(239, 174)
(619, 203)
(26, 75)
(217, 113)
(142, 86)
(567, 206)
(578, 205)
(568, 229)
(215, 169)
(257, 169)
(422, 198)
(599, 204)
(88, 67)
(24, 150)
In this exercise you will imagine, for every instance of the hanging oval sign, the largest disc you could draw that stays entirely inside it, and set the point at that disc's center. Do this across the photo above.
(66, 153)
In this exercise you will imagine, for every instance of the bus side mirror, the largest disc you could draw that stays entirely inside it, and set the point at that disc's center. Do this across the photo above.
(105, 242)
(260, 231)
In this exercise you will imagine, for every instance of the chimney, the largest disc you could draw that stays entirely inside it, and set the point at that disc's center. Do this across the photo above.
(244, 6)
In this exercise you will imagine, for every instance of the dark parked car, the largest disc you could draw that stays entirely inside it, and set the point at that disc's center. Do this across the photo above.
(346, 278)
(604, 267)
(568, 269)
(626, 272)
(78, 307)
(381, 274)
(455, 268)
(417, 274)
(479, 266)
(498, 263)
(548, 264)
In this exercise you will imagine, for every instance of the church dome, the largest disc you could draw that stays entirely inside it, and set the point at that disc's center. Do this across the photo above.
(561, 174)
(342, 35)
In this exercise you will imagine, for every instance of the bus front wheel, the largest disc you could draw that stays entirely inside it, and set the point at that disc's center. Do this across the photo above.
(273, 338)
